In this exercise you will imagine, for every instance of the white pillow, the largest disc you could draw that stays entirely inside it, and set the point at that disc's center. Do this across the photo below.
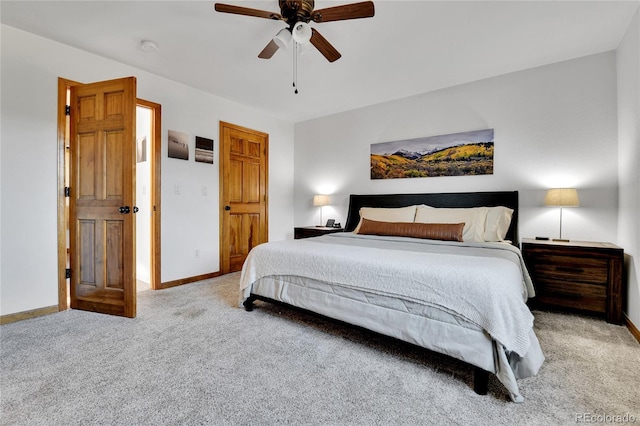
(497, 225)
(474, 219)
(381, 214)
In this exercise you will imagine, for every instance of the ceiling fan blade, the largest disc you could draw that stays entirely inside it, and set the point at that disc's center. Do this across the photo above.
(324, 46)
(269, 50)
(363, 9)
(239, 10)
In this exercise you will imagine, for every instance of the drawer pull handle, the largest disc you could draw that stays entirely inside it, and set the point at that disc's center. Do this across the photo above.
(567, 295)
(568, 269)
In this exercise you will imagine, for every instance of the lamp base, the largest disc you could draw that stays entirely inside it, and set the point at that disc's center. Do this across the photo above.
(561, 240)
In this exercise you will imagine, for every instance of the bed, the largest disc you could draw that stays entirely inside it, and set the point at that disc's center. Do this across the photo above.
(441, 271)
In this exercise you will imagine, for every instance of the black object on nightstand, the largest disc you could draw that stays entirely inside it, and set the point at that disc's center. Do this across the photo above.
(578, 275)
(313, 231)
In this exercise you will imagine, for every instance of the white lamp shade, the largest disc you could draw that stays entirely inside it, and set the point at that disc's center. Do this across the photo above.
(283, 38)
(301, 32)
(562, 197)
(320, 200)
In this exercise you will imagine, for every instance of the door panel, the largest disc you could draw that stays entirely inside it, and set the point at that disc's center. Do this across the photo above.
(115, 172)
(253, 183)
(87, 238)
(86, 152)
(102, 143)
(243, 182)
(115, 249)
(245, 234)
(235, 180)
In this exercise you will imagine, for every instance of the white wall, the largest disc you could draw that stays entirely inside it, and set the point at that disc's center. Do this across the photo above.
(628, 61)
(31, 66)
(555, 126)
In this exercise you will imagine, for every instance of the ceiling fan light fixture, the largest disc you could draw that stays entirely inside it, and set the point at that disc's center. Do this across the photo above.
(297, 14)
(301, 32)
(283, 38)
(304, 47)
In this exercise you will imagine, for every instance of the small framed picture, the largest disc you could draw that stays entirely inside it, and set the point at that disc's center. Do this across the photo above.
(141, 150)
(204, 150)
(178, 144)
(330, 223)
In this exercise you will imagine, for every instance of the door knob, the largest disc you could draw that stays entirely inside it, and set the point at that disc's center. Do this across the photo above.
(227, 208)
(124, 210)
(136, 209)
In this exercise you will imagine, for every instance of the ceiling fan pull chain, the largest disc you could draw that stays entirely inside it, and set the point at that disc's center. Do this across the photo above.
(295, 66)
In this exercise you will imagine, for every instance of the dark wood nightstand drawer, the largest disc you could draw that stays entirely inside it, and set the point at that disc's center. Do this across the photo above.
(585, 270)
(578, 275)
(582, 296)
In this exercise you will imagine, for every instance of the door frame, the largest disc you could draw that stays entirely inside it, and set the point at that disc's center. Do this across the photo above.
(155, 155)
(156, 158)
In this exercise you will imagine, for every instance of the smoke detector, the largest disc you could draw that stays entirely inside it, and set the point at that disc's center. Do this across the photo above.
(148, 46)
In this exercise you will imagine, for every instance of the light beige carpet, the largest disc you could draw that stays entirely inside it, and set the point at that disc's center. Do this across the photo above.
(192, 357)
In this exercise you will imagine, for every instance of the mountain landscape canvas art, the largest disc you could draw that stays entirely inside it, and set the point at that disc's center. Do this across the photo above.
(455, 154)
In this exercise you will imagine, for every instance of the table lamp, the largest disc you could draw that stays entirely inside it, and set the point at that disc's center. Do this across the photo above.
(320, 201)
(561, 197)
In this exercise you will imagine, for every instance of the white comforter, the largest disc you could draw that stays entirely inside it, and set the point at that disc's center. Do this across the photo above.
(483, 283)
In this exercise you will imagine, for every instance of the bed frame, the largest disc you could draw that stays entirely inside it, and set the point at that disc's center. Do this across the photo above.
(456, 200)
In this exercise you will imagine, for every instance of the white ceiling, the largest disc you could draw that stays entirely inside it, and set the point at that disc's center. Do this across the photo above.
(409, 47)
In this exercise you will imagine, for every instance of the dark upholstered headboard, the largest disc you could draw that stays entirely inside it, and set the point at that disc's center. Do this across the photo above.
(457, 199)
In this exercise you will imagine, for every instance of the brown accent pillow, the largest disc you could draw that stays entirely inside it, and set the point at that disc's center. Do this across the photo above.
(429, 231)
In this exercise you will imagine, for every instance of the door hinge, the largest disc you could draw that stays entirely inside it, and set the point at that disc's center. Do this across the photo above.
(67, 191)
(68, 273)
(67, 110)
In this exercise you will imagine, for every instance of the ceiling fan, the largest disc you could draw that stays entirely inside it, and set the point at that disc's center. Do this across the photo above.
(297, 14)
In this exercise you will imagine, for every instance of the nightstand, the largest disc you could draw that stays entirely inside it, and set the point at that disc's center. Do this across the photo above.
(313, 231)
(577, 275)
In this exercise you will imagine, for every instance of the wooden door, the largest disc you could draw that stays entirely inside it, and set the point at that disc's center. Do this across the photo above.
(243, 193)
(102, 197)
